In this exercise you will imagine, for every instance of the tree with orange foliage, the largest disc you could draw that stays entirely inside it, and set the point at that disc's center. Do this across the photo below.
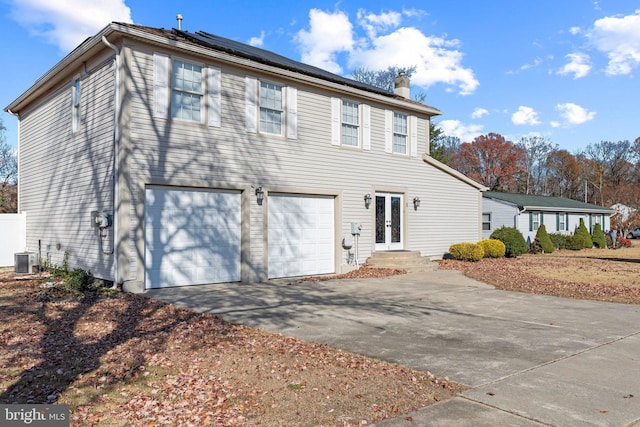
(492, 161)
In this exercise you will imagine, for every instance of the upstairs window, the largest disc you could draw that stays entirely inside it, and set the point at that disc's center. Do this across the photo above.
(400, 133)
(350, 124)
(187, 91)
(75, 112)
(271, 108)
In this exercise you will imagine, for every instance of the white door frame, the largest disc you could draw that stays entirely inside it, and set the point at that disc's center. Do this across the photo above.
(389, 221)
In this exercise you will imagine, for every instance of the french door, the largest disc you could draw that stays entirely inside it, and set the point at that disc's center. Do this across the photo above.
(389, 212)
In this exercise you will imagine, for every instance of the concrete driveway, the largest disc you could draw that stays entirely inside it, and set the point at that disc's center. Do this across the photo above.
(530, 360)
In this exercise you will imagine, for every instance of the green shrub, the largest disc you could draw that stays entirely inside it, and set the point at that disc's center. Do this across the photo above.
(543, 240)
(559, 240)
(513, 241)
(582, 238)
(598, 238)
(79, 280)
(493, 248)
(466, 251)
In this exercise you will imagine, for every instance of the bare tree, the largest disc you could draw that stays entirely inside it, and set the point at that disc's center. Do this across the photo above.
(8, 173)
(537, 150)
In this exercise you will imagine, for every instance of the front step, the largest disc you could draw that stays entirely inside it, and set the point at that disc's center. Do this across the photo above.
(411, 261)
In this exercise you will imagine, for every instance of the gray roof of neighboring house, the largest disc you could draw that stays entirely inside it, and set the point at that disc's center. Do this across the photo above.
(545, 203)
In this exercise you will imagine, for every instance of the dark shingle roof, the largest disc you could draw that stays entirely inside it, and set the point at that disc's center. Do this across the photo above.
(544, 202)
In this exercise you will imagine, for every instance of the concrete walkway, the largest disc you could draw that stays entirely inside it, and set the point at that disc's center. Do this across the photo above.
(530, 360)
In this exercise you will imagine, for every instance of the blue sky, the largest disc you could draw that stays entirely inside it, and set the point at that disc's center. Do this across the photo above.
(564, 70)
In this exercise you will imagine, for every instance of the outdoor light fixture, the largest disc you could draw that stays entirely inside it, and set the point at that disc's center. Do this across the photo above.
(416, 203)
(259, 195)
(367, 200)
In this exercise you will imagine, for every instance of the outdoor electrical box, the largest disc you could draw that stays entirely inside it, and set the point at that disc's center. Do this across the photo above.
(356, 228)
(101, 219)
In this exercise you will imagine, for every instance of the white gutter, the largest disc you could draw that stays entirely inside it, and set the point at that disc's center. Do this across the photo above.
(116, 169)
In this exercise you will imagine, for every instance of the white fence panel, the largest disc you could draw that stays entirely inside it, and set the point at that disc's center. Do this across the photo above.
(13, 237)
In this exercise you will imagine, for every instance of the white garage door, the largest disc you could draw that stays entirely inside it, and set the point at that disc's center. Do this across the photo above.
(301, 235)
(192, 236)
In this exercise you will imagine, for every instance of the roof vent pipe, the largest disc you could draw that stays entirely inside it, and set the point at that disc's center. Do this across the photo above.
(402, 85)
(179, 19)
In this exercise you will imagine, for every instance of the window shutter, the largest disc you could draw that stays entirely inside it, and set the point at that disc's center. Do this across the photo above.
(366, 127)
(530, 221)
(590, 223)
(213, 96)
(335, 121)
(566, 222)
(388, 131)
(251, 100)
(428, 136)
(413, 135)
(161, 85)
(541, 218)
(557, 221)
(292, 112)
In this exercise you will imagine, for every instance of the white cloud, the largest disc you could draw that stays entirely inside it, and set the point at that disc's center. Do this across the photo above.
(466, 133)
(329, 34)
(525, 116)
(575, 30)
(555, 124)
(67, 23)
(479, 112)
(578, 65)
(619, 38)
(574, 114)
(436, 59)
(257, 41)
(373, 23)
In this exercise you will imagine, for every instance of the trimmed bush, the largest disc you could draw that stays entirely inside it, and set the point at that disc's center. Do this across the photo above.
(560, 241)
(598, 238)
(543, 240)
(80, 280)
(493, 248)
(581, 238)
(466, 251)
(513, 240)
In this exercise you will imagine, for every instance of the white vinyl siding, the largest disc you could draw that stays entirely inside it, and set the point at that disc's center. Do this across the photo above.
(76, 113)
(214, 101)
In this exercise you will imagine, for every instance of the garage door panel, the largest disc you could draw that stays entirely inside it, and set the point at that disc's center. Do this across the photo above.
(301, 232)
(192, 236)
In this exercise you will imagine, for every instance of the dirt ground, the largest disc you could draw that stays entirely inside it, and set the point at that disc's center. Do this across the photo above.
(122, 359)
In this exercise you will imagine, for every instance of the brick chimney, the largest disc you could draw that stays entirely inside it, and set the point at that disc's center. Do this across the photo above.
(402, 85)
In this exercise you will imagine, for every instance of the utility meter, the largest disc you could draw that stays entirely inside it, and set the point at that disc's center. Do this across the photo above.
(356, 228)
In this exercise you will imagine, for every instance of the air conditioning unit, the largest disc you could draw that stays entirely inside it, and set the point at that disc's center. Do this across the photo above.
(24, 262)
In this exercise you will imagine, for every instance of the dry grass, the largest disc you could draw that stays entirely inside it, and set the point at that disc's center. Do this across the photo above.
(122, 359)
(597, 274)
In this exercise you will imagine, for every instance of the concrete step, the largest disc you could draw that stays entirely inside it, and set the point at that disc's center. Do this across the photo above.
(411, 261)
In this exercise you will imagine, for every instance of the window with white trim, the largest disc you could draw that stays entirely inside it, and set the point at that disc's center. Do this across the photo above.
(187, 91)
(535, 220)
(350, 135)
(76, 95)
(271, 108)
(486, 222)
(561, 221)
(400, 133)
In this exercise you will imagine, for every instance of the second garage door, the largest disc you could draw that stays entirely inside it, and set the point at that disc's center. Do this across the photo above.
(301, 235)
(192, 236)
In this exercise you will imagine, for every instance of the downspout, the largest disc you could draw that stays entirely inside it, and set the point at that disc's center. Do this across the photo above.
(116, 171)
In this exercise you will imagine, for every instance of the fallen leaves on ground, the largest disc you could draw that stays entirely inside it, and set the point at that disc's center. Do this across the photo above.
(551, 274)
(123, 359)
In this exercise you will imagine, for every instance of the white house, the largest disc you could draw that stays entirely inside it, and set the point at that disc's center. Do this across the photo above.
(159, 158)
(527, 213)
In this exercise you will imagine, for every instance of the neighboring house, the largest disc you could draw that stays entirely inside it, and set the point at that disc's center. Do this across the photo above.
(158, 157)
(527, 213)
